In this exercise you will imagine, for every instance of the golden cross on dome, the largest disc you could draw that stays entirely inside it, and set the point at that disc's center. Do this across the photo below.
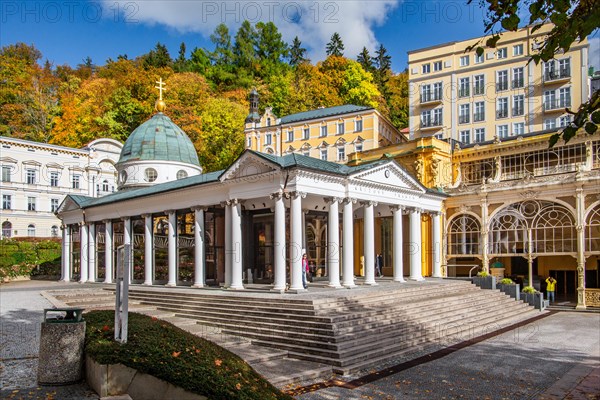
(160, 88)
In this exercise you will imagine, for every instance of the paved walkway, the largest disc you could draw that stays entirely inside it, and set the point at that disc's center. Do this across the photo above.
(21, 313)
(557, 357)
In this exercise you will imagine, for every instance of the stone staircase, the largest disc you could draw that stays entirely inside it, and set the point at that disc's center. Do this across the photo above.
(349, 330)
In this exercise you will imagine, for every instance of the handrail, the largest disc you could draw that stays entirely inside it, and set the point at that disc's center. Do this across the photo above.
(471, 270)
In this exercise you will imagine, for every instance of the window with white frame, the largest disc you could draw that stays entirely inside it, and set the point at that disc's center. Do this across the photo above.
(54, 177)
(464, 61)
(341, 153)
(268, 139)
(479, 111)
(323, 131)
(502, 107)
(31, 203)
(549, 123)
(53, 205)
(249, 143)
(358, 147)
(76, 181)
(479, 58)
(341, 129)
(501, 53)
(31, 176)
(502, 131)
(6, 201)
(463, 87)
(426, 68)
(306, 153)
(54, 231)
(518, 80)
(501, 80)
(518, 105)
(465, 136)
(358, 125)
(6, 229)
(290, 135)
(518, 128)
(437, 66)
(324, 154)
(6, 173)
(305, 133)
(479, 135)
(464, 113)
(479, 84)
(565, 120)
(518, 50)
(31, 230)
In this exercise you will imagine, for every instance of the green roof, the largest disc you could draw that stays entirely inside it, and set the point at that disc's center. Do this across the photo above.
(159, 139)
(323, 113)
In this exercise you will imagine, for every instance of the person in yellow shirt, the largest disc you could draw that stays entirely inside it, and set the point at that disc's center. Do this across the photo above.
(550, 288)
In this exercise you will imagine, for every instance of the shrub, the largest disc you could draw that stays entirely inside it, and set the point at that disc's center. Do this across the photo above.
(160, 349)
(483, 274)
(21, 257)
(529, 289)
(507, 281)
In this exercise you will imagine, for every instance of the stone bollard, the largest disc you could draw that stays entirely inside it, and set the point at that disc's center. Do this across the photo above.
(61, 347)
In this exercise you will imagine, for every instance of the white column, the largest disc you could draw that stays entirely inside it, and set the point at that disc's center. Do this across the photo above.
(369, 242)
(279, 245)
(436, 253)
(66, 254)
(92, 252)
(296, 227)
(398, 243)
(172, 248)
(108, 251)
(333, 243)
(580, 209)
(83, 264)
(227, 244)
(128, 239)
(236, 243)
(348, 236)
(415, 240)
(199, 259)
(148, 253)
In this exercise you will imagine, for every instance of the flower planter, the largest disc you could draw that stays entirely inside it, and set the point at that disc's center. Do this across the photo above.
(511, 289)
(485, 282)
(534, 299)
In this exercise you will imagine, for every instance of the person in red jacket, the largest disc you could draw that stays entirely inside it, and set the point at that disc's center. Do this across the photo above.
(305, 269)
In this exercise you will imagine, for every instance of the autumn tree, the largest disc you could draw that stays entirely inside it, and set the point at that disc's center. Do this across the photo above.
(335, 47)
(358, 87)
(573, 21)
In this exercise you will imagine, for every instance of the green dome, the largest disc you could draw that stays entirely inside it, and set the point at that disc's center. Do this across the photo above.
(159, 139)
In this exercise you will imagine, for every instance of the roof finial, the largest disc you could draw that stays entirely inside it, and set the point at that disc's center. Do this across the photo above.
(160, 105)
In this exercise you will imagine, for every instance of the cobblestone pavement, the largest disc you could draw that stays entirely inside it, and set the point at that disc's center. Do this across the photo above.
(21, 313)
(557, 357)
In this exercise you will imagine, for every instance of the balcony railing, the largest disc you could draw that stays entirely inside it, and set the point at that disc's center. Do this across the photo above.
(518, 111)
(518, 83)
(429, 123)
(478, 89)
(464, 92)
(463, 119)
(428, 97)
(557, 104)
(502, 113)
(501, 85)
(478, 117)
(554, 75)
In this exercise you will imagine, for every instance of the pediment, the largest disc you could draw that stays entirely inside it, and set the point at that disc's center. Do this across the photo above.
(389, 174)
(68, 204)
(8, 160)
(247, 165)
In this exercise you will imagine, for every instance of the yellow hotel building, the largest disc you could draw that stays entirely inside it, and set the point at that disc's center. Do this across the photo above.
(329, 134)
(459, 95)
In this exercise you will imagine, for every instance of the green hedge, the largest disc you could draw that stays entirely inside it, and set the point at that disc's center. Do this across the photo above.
(160, 349)
(20, 257)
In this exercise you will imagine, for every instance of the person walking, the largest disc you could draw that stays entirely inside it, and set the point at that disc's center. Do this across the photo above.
(305, 269)
(379, 264)
(551, 288)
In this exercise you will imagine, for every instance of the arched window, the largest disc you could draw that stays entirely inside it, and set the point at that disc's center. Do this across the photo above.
(150, 174)
(31, 230)
(464, 235)
(181, 174)
(6, 229)
(554, 230)
(592, 231)
(105, 185)
(54, 231)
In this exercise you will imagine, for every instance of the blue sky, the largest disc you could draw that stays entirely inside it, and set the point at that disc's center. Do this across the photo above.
(68, 31)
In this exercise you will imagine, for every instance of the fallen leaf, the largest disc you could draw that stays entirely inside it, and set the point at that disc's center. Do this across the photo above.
(218, 362)
(176, 353)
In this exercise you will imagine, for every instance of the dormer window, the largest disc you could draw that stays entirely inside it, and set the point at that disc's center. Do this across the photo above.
(268, 121)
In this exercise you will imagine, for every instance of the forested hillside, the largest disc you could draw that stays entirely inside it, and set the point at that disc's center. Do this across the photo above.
(206, 90)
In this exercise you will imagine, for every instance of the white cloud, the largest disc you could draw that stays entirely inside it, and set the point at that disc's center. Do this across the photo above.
(594, 55)
(312, 21)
